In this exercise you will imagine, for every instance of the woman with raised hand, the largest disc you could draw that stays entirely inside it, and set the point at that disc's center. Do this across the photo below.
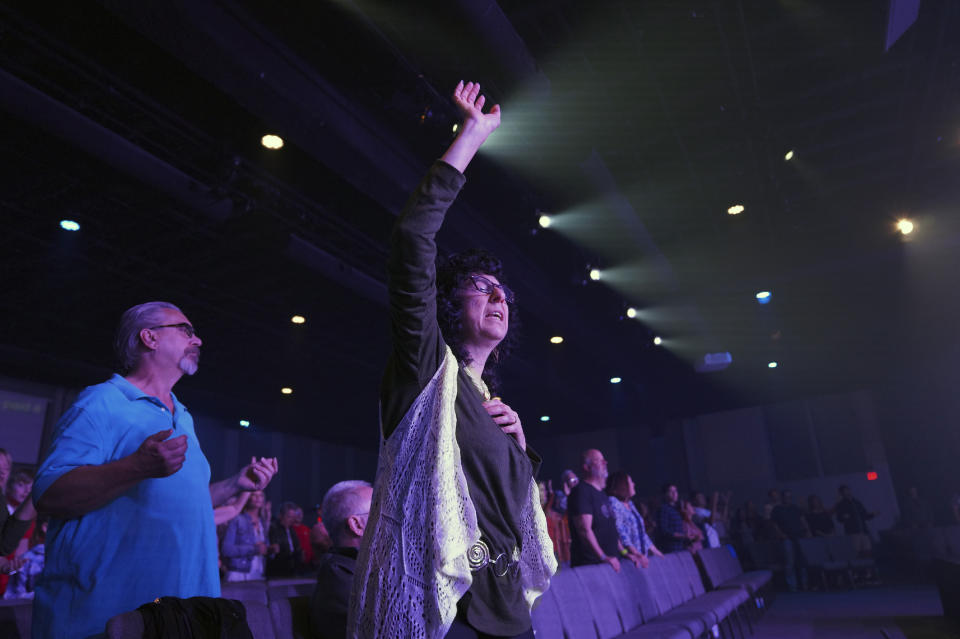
(457, 544)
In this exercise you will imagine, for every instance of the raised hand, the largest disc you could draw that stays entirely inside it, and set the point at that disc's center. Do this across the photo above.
(507, 419)
(470, 102)
(257, 474)
(158, 456)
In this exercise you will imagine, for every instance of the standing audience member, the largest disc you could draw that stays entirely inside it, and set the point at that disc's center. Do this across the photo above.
(854, 517)
(18, 489)
(694, 535)
(568, 480)
(347, 509)
(790, 525)
(128, 487)
(704, 517)
(671, 534)
(245, 544)
(630, 525)
(286, 555)
(819, 519)
(12, 527)
(594, 527)
(557, 526)
(303, 536)
(915, 512)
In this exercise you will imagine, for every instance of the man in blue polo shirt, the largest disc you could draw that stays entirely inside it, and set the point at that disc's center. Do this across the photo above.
(128, 488)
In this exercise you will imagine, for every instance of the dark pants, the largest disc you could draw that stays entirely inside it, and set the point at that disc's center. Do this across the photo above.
(461, 629)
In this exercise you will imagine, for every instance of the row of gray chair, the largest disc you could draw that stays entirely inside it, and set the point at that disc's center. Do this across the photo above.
(665, 600)
(824, 556)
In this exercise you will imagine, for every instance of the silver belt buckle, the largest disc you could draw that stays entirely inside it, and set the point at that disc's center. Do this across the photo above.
(478, 556)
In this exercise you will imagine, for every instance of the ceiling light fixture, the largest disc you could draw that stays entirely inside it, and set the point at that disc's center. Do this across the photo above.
(657, 340)
(245, 423)
(595, 274)
(905, 226)
(556, 339)
(736, 209)
(615, 380)
(772, 365)
(272, 142)
(298, 319)
(631, 312)
(788, 156)
(764, 297)
(286, 390)
(69, 225)
(545, 418)
(545, 221)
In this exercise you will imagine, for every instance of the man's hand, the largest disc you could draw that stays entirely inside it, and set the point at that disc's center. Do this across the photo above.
(614, 563)
(159, 456)
(507, 419)
(257, 474)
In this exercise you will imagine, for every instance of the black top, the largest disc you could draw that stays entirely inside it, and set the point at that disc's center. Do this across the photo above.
(820, 523)
(789, 519)
(853, 516)
(12, 530)
(497, 470)
(584, 499)
(331, 599)
(288, 562)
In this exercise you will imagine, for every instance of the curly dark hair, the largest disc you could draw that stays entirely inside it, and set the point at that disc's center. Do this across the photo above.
(452, 272)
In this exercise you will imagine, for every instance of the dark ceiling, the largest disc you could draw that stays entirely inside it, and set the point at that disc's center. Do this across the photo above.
(637, 123)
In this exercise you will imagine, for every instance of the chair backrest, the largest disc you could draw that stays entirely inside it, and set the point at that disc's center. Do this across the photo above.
(546, 617)
(601, 599)
(623, 586)
(576, 616)
(814, 550)
(730, 563)
(16, 618)
(245, 591)
(126, 625)
(259, 620)
(841, 547)
(291, 617)
(951, 535)
(688, 566)
(299, 587)
(659, 588)
(680, 589)
(643, 591)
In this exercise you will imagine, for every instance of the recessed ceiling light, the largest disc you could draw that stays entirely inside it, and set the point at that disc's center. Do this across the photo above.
(764, 297)
(272, 141)
(789, 155)
(905, 226)
(69, 225)
(545, 418)
(286, 390)
(298, 319)
(615, 380)
(556, 339)
(631, 312)
(545, 221)
(772, 365)
(455, 127)
(245, 423)
(657, 340)
(594, 274)
(736, 209)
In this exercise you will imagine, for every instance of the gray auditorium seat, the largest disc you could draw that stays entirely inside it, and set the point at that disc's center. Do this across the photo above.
(546, 616)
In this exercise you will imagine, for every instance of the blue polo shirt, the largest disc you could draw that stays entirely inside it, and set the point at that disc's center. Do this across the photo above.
(157, 539)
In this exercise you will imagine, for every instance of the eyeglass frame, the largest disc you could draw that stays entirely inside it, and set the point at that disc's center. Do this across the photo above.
(186, 327)
(505, 290)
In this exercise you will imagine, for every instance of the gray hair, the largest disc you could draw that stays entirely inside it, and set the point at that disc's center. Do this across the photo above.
(126, 344)
(340, 502)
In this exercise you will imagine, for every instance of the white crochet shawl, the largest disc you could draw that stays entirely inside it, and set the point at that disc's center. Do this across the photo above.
(412, 567)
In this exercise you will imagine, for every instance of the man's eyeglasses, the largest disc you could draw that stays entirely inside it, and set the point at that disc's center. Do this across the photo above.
(187, 329)
(487, 287)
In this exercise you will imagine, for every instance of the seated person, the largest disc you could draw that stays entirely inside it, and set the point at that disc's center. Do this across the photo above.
(286, 555)
(346, 507)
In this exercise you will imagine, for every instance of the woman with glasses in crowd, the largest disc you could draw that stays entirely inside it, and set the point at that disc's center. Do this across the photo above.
(457, 543)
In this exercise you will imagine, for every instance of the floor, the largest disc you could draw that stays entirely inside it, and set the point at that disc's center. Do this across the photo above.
(882, 612)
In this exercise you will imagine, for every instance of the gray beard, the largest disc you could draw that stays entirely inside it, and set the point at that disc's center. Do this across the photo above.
(188, 365)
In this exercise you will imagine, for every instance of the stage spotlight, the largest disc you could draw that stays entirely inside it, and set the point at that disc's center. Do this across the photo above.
(245, 423)
(789, 155)
(736, 209)
(69, 225)
(545, 221)
(615, 380)
(764, 297)
(455, 127)
(657, 340)
(905, 226)
(772, 365)
(286, 390)
(545, 418)
(298, 319)
(272, 142)
(631, 312)
(595, 274)
(556, 339)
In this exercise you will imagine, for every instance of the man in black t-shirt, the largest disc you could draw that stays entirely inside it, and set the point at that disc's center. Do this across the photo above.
(593, 525)
(788, 522)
